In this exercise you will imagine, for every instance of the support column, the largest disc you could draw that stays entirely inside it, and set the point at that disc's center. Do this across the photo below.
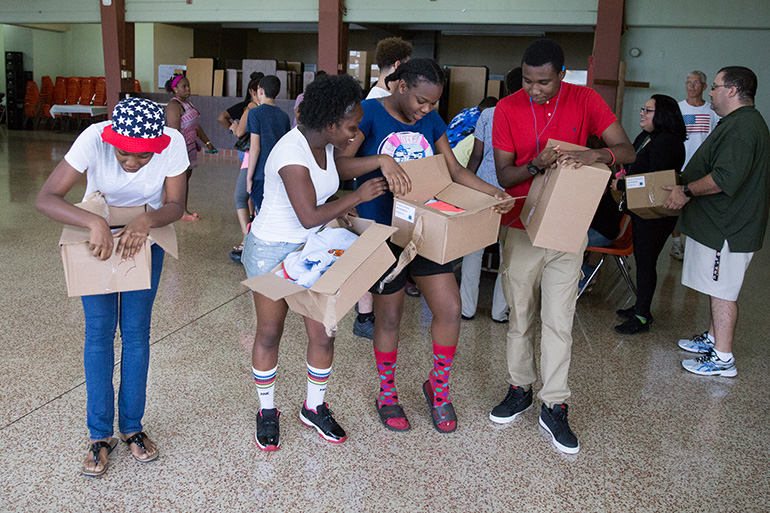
(118, 45)
(332, 37)
(606, 54)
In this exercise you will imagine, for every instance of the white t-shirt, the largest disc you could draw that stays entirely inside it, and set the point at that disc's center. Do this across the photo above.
(121, 189)
(377, 92)
(277, 220)
(699, 122)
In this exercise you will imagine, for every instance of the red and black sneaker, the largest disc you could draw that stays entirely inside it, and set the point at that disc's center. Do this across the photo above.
(323, 421)
(268, 435)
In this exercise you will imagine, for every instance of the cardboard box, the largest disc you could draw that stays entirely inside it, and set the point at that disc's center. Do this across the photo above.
(645, 196)
(359, 66)
(445, 237)
(562, 202)
(343, 284)
(85, 274)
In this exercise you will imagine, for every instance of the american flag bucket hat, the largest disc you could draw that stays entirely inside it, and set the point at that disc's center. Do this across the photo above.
(137, 127)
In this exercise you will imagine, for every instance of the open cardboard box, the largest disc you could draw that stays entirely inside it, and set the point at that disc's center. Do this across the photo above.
(342, 285)
(445, 237)
(562, 202)
(645, 196)
(86, 275)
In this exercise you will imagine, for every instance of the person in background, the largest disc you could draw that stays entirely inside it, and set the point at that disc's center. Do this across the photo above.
(724, 214)
(132, 160)
(300, 176)
(182, 115)
(405, 126)
(538, 280)
(266, 124)
(482, 162)
(235, 120)
(464, 123)
(699, 120)
(389, 55)
(659, 146)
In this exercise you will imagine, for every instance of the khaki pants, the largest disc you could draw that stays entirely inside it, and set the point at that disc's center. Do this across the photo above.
(530, 275)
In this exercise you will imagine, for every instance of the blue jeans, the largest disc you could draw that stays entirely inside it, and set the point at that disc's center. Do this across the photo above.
(103, 312)
(261, 256)
(597, 240)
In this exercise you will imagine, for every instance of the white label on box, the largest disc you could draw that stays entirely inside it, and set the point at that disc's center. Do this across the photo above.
(634, 182)
(404, 211)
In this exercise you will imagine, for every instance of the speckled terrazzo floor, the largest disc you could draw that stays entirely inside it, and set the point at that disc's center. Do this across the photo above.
(653, 437)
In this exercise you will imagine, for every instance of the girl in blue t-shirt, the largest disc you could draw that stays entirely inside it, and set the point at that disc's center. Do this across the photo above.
(395, 129)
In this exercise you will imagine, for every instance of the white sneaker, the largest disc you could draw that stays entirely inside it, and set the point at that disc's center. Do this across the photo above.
(711, 365)
(677, 250)
(697, 344)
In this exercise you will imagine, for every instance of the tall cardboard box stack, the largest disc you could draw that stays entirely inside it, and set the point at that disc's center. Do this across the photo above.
(359, 66)
(445, 236)
(562, 202)
(645, 195)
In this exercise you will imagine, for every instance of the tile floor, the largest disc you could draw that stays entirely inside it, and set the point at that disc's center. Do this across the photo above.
(653, 437)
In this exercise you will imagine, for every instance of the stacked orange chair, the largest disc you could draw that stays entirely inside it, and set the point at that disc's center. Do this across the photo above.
(31, 101)
(100, 92)
(60, 91)
(137, 86)
(46, 97)
(73, 91)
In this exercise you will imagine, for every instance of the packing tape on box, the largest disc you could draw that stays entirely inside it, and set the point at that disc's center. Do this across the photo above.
(546, 176)
(410, 251)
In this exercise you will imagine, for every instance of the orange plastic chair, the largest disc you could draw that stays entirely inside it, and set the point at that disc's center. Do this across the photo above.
(621, 248)
(73, 91)
(137, 86)
(86, 91)
(100, 92)
(59, 91)
(31, 101)
(46, 86)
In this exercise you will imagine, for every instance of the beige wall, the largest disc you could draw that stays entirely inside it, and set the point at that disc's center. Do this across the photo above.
(172, 45)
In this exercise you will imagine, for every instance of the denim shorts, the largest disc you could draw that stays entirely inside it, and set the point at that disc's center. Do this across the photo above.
(261, 256)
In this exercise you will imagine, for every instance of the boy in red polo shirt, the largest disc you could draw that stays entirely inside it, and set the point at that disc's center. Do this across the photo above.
(545, 108)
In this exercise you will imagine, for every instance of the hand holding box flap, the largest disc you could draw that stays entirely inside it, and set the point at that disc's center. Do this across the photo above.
(562, 202)
(85, 274)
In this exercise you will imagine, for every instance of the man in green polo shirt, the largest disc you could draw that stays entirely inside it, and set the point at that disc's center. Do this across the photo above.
(725, 211)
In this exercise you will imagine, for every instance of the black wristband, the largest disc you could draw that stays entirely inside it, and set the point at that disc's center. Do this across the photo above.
(687, 192)
(533, 169)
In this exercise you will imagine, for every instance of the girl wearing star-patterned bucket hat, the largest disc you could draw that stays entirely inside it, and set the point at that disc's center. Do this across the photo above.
(129, 160)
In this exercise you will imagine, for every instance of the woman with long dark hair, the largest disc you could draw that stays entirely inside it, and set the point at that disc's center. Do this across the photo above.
(659, 146)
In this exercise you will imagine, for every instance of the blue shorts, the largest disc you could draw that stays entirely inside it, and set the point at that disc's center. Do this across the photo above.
(261, 256)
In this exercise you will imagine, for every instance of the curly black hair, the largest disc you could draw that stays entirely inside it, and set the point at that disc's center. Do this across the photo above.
(417, 70)
(171, 81)
(390, 50)
(328, 99)
(668, 117)
(542, 51)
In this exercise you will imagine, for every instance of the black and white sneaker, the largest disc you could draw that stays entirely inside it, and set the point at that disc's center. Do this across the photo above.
(323, 421)
(268, 435)
(555, 422)
(516, 401)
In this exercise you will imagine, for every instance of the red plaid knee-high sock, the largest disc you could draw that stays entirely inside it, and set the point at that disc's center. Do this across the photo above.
(439, 376)
(386, 369)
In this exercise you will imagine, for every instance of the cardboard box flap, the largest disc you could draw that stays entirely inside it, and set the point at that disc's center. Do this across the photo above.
(74, 235)
(165, 237)
(272, 286)
(573, 147)
(428, 175)
(372, 238)
(469, 199)
(121, 216)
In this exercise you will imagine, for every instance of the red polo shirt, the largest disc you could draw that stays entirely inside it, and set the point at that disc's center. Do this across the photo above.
(520, 124)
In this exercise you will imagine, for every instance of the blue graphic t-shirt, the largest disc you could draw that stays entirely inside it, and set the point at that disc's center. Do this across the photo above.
(386, 135)
(462, 125)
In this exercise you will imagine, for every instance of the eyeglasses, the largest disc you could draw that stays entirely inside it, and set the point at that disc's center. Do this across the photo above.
(645, 110)
(715, 86)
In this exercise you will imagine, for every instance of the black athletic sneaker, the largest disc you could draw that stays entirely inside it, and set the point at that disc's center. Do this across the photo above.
(323, 421)
(555, 422)
(267, 435)
(516, 401)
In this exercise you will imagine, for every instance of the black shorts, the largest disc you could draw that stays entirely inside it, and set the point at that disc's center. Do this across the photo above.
(418, 267)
